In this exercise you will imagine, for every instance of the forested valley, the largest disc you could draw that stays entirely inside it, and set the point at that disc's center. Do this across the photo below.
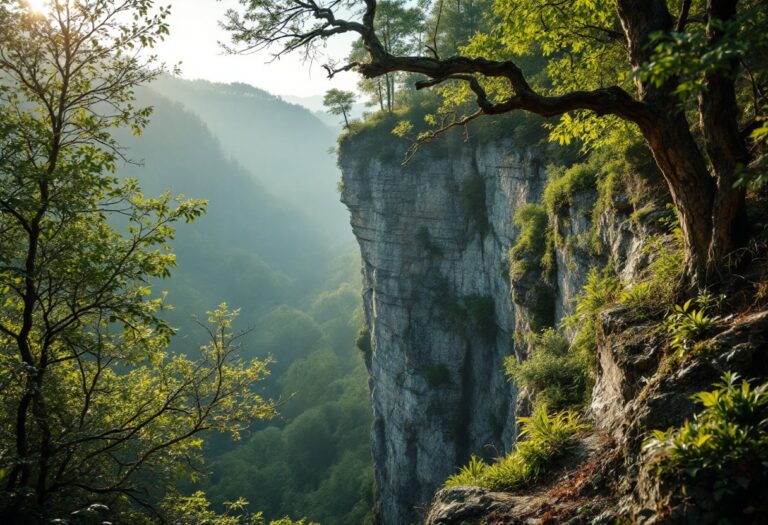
(275, 244)
(272, 258)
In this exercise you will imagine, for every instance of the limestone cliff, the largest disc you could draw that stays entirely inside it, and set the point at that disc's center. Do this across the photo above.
(443, 314)
(446, 302)
(434, 237)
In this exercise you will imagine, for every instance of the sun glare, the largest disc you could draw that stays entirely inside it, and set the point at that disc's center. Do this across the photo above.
(38, 6)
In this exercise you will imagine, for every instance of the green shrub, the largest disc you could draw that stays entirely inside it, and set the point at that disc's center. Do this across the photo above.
(726, 444)
(531, 263)
(363, 341)
(469, 474)
(601, 290)
(546, 438)
(686, 325)
(659, 285)
(530, 248)
(564, 183)
(558, 375)
(196, 510)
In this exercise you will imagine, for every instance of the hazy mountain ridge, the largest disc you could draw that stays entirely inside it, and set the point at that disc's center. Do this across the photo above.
(259, 130)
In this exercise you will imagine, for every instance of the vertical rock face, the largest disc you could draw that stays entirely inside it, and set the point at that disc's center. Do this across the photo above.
(434, 238)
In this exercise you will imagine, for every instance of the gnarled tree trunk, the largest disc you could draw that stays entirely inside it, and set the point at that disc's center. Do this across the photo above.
(711, 211)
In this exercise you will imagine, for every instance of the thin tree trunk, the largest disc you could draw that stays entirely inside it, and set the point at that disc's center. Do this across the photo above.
(381, 94)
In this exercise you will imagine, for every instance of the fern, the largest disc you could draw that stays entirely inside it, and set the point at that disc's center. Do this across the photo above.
(547, 437)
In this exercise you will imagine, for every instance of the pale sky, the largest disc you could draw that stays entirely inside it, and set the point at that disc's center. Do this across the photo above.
(194, 38)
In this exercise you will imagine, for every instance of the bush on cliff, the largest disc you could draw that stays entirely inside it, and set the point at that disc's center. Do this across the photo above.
(723, 451)
(558, 375)
(547, 438)
(602, 289)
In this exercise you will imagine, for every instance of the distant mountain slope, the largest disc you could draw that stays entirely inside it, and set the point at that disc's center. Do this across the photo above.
(315, 105)
(251, 249)
(283, 145)
(270, 259)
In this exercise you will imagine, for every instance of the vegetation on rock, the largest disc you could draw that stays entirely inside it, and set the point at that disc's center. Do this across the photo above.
(545, 438)
(725, 446)
(557, 374)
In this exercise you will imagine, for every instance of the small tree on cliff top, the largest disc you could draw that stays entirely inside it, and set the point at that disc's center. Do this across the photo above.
(691, 76)
(339, 103)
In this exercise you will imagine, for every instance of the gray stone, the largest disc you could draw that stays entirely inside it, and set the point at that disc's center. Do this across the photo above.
(434, 237)
(437, 373)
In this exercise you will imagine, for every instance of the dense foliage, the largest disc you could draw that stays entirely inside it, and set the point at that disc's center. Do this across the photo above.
(339, 102)
(315, 460)
(557, 374)
(196, 510)
(298, 296)
(97, 333)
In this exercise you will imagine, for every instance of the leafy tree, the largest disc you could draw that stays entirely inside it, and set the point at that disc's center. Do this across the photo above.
(95, 409)
(339, 102)
(314, 460)
(372, 87)
(196, 509)
(452, 23)
(690, 76)
(402, 31)
(287, 334)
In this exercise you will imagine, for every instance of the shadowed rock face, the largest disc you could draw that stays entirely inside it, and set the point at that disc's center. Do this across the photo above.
(434, 238)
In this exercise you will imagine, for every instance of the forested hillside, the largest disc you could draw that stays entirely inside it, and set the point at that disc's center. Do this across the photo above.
(293, 158)
(297, 291)
(177, 371)
(230, 255)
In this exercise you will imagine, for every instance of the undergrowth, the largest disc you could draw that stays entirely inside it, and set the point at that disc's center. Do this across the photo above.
(725, 446)
(528, 253)
(557, 374)
(659, 284)
(533, 250)
(686, 324)
(545, 439)
(602, 289)
(564, 183)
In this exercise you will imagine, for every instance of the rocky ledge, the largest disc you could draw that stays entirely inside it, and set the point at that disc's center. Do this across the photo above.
(612, 479)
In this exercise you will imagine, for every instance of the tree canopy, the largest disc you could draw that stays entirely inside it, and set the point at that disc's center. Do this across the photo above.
(690, 76)
(339, 102)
